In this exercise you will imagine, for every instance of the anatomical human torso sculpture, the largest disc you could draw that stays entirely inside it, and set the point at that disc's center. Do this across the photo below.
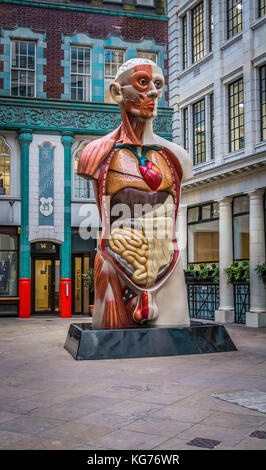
(137, 176)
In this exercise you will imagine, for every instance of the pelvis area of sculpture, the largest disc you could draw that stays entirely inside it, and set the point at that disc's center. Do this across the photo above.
(139, 191)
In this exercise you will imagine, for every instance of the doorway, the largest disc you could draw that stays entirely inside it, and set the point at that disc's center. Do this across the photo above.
(82, 296)
(45, 275)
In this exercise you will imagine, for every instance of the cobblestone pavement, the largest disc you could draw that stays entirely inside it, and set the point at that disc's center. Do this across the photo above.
(50, 401)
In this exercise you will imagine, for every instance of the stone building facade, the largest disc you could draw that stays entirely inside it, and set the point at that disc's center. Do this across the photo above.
(56, 62)
(217, 69)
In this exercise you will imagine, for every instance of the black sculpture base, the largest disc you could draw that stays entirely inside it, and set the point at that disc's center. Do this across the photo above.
(84, 342)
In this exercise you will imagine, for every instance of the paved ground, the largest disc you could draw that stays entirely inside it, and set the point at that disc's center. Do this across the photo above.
(50, 401)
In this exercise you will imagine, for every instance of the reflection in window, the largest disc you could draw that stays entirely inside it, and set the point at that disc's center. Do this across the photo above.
(8, 264)
(83, 188)
(148, 55)
(241, 227)
(263, 102)
(234, 17)
(262, 8)
(22, 68)
(80, 73)
(197, 32)
(236, 116)
(4, 168)
(199, 132)
(185, 60)
(113, 59)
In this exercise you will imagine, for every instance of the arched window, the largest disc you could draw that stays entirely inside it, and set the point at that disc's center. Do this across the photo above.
(4, 168)
(83, 188)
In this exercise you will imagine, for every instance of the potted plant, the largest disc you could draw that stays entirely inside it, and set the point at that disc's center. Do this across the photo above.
(261, 271)
(88, 278)
(205, 273)
(238, 272)
(190, 273)
(209, 273)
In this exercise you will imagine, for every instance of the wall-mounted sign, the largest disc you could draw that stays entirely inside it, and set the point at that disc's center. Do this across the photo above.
(46, 185)
(44, 247)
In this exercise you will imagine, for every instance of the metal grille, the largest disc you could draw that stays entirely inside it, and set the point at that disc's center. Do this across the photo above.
(242, 302)
(203, 300)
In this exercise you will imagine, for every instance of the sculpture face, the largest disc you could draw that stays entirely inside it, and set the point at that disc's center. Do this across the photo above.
(139, 89)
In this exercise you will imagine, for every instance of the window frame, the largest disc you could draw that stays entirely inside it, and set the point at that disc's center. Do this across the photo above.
(232, 30)
(232, 116)
(75, 177)
(185, 41)
(261, 8)
(199, 143)
(234, 215)
(9, 230)
(141, 51)
(185, 129)
(89, 75)
(212, 127)
(262, 92)
(200, 44)
(112, 77)
(202, 221)
(13, 42)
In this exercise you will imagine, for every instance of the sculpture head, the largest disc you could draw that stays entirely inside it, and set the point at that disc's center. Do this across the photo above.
(137, 87)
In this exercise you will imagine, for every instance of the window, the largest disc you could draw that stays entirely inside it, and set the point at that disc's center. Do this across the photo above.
(148, 55)
(23, 68)
(212, 126)
(241, 227)
(211, 25)
(197, 32)
(236, 116)
(199, 132)
(185, 128)
(263, 102)
(203, 233)
(262, 7)
(8, 263)
(185, 57)
(4, 168)
(80, 73)
(234, 17)
(145, 3)
(83, 188)
(113, 59)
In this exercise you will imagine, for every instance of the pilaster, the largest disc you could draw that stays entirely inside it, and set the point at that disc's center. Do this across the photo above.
(256, 317)
(25, 138)
(225, 313)
(65, 282)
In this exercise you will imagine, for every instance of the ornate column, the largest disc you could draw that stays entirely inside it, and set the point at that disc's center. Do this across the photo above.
(25, 138)
(225, 313)
(256, 317)
(65, 281)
